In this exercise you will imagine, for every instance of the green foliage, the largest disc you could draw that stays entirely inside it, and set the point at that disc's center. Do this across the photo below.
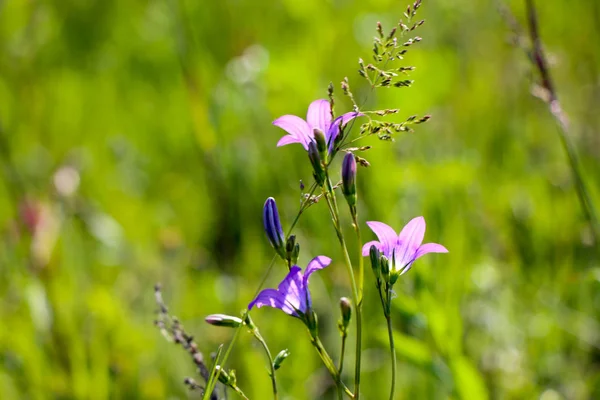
(136, 147)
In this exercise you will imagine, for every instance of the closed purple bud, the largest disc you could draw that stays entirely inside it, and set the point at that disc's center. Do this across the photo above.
(272, 226)
(349, 179)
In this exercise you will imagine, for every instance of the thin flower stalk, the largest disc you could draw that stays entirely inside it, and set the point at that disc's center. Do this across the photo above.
(333, 209)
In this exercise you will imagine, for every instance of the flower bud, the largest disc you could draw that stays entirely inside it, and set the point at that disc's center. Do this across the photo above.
(279, 358)
(385, 268)
(349, 178)
(272, 226)
(321, 143)
(346, 309)
(223, 376)
(315, 160)
(374, 255)
(223, 320)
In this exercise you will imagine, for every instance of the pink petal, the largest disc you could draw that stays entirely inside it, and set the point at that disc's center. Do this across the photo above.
(295, 126)
(409, 241)
(288, 139)
(319, 115)
(430, 248)
(367, 247)
(387, 236)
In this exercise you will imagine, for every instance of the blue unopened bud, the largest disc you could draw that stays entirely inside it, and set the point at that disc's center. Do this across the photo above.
(374, 255)
(223, 320)
(272, 226)
(349, 179)
(315, 160)
(279, 358)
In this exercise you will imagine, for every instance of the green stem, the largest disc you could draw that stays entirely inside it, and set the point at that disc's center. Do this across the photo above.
(305, 204)
(392, 348)
(329, 364)
(361, 265)
(333, 209)
(258, 337)
(341, 367)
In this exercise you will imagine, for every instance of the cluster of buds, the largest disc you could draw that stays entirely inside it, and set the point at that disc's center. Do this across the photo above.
(380, 265)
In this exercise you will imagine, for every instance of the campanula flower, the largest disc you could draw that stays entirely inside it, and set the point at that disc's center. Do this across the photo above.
(401, 250)
(317, 117)
(292, 295)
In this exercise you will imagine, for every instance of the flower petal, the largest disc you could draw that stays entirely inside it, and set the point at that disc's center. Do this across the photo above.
(334, 129)
(289, 139)
(272, 298)
(295, 126)
(387, 236)
(317, 263)
(319, 115)
(430, 248)
(291, 288)
(409, 241)
(367, 247)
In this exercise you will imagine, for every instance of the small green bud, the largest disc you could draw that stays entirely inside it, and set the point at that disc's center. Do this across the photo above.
(385, 268)
(296, 253)
(315, 160)
(279, 358)
(375, 257)
(321, 143)
(223, 376)
(292, 249)
(346, 309)
(223, 320)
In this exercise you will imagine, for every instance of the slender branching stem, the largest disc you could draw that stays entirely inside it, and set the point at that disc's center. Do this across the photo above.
(361, 264)
(259, 337)
(388, 318)
(329, 364)
(342, 351)
(333, 209)
(304, 205)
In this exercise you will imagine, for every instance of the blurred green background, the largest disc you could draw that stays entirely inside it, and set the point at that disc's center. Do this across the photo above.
(136, 147)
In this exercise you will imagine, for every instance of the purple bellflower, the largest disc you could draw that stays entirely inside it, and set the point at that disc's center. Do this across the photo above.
(401, 250)
(292, 295)
(317, 117)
